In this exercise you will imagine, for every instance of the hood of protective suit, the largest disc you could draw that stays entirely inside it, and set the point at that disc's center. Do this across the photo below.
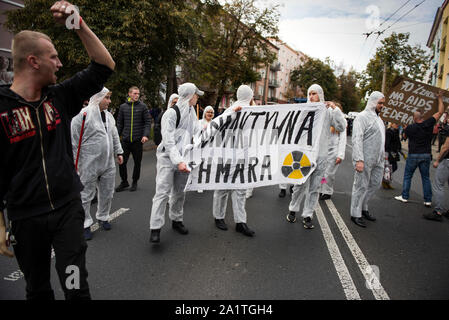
(373, 100)
(244, 96)
(317, 88)
(170, 100)
(100, 140)
(207, 109)
(93, 108)
(186, 92)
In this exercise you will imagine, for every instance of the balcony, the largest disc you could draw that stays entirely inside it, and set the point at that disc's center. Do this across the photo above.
(275, 66)
(273, 99)
(274, 84)
(443, 45)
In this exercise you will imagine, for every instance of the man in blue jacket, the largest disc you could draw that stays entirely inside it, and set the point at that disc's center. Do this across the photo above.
(38, 180)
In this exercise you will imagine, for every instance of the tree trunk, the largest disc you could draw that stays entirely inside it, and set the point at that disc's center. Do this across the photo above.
(172, 84)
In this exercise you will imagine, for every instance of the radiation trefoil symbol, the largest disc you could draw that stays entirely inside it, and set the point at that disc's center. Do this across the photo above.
(296, 165)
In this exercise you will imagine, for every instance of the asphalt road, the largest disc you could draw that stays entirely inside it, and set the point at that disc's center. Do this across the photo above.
(400, 256)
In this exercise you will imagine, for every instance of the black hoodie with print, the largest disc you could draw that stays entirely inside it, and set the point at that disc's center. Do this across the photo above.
(37, 172)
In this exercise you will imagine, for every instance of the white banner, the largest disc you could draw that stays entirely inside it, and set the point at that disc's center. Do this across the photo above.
(258, 146)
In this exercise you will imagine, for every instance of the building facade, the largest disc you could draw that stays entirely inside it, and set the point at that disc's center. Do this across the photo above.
(288, 60)
(438, 73)
(265, 89)
(5, 41)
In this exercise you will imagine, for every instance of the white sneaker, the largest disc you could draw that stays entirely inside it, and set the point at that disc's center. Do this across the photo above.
(200, 191)
(399, 198)
(249, 193)
(428, 204)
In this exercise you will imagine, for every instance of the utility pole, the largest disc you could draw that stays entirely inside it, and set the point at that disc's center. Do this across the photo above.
(384, 78)
(265, 86)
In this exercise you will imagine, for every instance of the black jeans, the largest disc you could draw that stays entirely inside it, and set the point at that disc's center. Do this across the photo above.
(64, 230)
(136, 149)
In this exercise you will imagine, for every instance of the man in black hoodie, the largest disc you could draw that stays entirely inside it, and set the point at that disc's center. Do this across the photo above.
(38, 180)
(133, 125)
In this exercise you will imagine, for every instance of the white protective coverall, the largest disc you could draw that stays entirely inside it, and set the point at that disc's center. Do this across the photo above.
(244, 96)
(96, 165)
(170, 100)
(170, 182)
(310, 189)
(368, 145)
(337, 148)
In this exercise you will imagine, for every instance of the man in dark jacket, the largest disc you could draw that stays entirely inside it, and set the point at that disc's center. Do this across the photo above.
(133, 124)
(38, 180)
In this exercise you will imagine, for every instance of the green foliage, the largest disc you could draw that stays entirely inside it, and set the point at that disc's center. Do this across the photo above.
(230, 47)
(315, 71)
(348, 92)
(400, 58)
(144, 37)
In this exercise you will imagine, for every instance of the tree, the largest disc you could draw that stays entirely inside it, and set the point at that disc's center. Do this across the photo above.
(400, 58)
(315, 71)
(231, 47)
(348, 92)
(144, 37)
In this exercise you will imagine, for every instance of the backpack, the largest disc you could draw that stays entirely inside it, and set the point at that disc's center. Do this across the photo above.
(157, 125)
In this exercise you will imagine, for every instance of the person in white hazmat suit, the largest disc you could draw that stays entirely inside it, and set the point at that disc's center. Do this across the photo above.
(368, 157)
(336, 154)
(208, 115)
(172, 172)
(244, 97)
(100, 145)
(310, 189)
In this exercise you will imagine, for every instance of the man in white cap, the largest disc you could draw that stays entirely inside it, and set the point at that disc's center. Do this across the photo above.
(310, 189)
(178, 126)
(368, 157)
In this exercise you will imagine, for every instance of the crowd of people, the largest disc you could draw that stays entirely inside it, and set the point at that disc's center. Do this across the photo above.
(59, 154)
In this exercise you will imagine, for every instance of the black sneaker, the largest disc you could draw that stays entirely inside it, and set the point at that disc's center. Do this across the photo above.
(87, 234)
(243, 228)
(155, 235)
(325, 196)
(133, 187)
(221, 224)
(178, 226)
(291, 217)
(368, 216)
(282, 193)
(433, 216)
(307, 222)
(122, 186)
(105, 225)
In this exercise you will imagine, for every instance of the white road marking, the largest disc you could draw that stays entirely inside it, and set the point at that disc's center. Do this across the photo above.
(16, 275)
(366, 269)
(342, 271)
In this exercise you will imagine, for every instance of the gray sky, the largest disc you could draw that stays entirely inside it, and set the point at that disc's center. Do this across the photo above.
(334, 28)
